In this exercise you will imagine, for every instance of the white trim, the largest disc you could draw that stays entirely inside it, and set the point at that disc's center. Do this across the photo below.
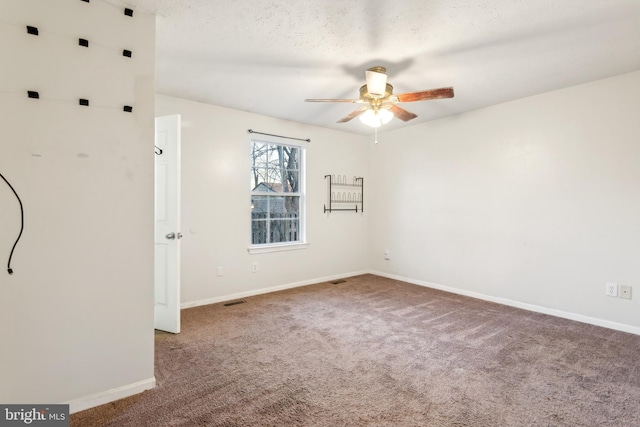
(525, 306)
(264, 249)
(80, 404)
(239, 295)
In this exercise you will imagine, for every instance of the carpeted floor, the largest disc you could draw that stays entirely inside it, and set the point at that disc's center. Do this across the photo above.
(379, 352)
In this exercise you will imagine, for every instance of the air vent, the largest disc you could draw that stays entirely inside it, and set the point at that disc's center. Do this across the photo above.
(337, 282)
(229, 304)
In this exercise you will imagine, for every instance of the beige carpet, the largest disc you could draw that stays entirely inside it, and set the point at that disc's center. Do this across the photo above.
(378, 352)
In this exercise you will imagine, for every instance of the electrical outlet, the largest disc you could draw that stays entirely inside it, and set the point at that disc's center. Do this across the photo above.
(387, 254)
(219, 271)
(611, 290)
(625, 292)
(254, 267)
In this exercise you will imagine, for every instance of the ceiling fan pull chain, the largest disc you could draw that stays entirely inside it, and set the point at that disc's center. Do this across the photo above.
(375, 141)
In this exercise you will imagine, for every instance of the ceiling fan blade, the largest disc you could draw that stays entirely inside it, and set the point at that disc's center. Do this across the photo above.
(445, 92)
(401, 113)
(331, 100)
(353, 114)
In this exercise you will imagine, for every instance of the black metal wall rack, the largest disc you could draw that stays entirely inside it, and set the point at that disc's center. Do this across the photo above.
(343, 195)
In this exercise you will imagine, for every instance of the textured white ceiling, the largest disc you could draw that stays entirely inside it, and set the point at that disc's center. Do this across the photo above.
(266, 57)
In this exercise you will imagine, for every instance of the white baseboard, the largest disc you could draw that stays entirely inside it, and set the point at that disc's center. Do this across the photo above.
(530, 307)
(101, 398)
(246, 294)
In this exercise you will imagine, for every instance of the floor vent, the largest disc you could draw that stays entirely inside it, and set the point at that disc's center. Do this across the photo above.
(337, 282)
(229, 304)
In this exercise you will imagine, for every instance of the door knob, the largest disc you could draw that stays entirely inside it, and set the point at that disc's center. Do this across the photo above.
(171, 236)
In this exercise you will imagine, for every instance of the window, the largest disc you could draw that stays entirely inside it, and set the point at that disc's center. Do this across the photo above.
(277, 194)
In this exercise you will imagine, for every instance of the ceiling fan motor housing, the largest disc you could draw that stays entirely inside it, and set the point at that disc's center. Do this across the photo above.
(367, 97)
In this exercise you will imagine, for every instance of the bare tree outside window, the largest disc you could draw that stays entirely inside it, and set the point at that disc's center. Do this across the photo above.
(275, 193)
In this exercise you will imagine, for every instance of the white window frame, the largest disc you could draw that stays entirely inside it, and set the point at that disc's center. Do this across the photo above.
(301, 243)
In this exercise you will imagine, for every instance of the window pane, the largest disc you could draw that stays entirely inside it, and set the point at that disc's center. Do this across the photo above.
(280, 173)
(285, 230)
(291, 179)
(284, 207)
(292, 205)
(276, 206)
(259, 155)
(291, 166)
(258, 232)
(292, 158)
(259, 207)
(259, 180)
(274, 185)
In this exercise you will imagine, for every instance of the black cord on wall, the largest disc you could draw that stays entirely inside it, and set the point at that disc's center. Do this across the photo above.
(9, 269)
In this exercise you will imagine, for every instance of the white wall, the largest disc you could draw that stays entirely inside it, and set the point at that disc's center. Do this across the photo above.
(216, 204)
(77, 314)
(535, 201)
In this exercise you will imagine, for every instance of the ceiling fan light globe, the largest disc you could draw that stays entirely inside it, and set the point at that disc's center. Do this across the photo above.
(385, 116)
(370, 118)
(376, 118)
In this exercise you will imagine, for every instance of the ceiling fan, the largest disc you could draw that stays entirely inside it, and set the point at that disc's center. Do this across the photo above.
(380, 102)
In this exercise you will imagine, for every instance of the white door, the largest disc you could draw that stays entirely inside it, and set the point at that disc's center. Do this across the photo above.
(167, 224)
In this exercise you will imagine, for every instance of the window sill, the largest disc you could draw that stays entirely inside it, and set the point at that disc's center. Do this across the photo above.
(263, 249)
